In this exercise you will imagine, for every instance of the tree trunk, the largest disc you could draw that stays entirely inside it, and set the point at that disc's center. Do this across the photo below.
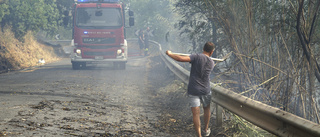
(305, 38)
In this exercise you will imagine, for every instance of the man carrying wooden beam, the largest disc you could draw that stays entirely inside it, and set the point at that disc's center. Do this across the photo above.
(199, 90)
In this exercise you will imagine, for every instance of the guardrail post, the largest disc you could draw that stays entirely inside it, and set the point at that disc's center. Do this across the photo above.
(218, 115)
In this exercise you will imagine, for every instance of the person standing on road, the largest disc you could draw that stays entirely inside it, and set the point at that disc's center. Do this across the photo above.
(199, 90)
(146, 41)
(141, 41)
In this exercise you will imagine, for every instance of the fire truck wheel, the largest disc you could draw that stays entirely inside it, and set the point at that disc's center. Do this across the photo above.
(122, 66)
(119, 65)
(83, 65)
(75, 65)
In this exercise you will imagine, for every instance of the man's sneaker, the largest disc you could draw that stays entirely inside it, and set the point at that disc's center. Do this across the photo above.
(207, 133)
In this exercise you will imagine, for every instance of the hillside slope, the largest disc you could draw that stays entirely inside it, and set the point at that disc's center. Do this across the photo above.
(16, 55)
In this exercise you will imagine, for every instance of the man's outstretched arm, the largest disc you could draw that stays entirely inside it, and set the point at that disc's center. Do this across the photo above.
(178, 57)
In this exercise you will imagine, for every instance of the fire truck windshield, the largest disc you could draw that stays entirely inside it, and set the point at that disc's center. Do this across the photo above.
(98, 17)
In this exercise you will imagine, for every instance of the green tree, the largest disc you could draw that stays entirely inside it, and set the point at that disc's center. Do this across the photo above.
(53, 16)
(197, 22)
(64, 7)
(3, 10)
(156, 14)
(32, 15)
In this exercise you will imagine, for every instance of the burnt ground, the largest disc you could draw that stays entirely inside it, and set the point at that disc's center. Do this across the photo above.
(54, 100)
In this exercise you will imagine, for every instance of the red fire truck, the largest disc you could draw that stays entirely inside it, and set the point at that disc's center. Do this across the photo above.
(99, 33)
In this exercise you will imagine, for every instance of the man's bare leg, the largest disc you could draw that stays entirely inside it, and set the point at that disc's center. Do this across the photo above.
(196, 120)
(206, 115)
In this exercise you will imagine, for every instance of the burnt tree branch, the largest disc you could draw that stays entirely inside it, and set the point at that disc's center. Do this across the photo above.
(302, 37)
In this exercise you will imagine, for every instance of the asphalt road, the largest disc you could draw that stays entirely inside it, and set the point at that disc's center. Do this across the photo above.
(54, 100)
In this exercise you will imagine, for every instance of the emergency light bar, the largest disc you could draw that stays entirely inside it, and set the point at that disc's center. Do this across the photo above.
(96, 1)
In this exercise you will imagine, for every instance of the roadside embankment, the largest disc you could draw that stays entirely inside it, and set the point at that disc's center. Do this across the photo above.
(15, 55)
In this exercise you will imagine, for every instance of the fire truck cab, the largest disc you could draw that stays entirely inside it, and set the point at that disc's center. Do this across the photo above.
(99, 33)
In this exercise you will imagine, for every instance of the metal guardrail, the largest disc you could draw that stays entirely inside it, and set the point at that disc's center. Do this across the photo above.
(270, 118)
(61, 42)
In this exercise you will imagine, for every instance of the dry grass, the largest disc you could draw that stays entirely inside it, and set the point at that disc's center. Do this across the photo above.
(20, 55)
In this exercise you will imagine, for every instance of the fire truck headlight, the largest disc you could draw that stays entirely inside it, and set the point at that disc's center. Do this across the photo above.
(78, 51)
(119, 51)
